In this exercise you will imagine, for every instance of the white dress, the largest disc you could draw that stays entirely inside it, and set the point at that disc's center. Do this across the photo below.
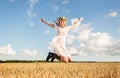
(58, 42)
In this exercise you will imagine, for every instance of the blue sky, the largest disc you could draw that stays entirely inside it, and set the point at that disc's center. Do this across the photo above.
(23, 36)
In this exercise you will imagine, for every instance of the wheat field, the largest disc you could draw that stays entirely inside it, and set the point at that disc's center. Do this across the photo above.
(59, 70)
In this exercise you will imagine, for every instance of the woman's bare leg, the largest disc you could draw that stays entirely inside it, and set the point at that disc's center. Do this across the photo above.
(64, 59)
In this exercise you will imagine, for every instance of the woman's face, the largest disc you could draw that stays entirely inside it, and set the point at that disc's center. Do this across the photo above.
(62, 23)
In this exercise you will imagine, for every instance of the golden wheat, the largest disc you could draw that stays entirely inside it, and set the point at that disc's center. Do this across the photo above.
(59, 70)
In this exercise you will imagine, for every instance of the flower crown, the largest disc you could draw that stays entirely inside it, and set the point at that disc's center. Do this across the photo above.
(62, 18)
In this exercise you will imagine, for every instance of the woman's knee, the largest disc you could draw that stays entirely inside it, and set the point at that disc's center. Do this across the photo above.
(64, 59)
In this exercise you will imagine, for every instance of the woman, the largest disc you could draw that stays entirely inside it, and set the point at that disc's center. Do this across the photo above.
(58, 41)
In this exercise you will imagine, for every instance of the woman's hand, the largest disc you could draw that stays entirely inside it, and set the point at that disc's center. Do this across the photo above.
(42, 19)
(80, 18)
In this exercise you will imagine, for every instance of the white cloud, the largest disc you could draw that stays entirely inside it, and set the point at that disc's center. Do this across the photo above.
(67, 11)
(29, 52)
(70, 39)
(112, 14)
(65, 1)
(32, 3)
(30, 11)
(7, 50)
(46, 32)
(55, 8)
(31, 14)
(31, 23)
(88, 42)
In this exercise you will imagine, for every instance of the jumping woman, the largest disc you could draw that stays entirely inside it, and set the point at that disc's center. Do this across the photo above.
(58, 42)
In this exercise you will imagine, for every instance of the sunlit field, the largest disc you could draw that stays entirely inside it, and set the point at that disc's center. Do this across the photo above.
(59, 70)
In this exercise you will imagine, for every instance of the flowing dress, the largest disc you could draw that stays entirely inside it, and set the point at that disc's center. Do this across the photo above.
(58, 42)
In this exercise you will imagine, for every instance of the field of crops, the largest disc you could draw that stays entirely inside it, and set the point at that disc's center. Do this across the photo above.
(59, 70)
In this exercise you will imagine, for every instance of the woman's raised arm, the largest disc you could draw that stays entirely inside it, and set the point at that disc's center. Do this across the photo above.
(49, 24)
(76, 23)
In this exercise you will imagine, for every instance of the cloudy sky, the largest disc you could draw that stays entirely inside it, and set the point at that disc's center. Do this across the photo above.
(24, 36)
